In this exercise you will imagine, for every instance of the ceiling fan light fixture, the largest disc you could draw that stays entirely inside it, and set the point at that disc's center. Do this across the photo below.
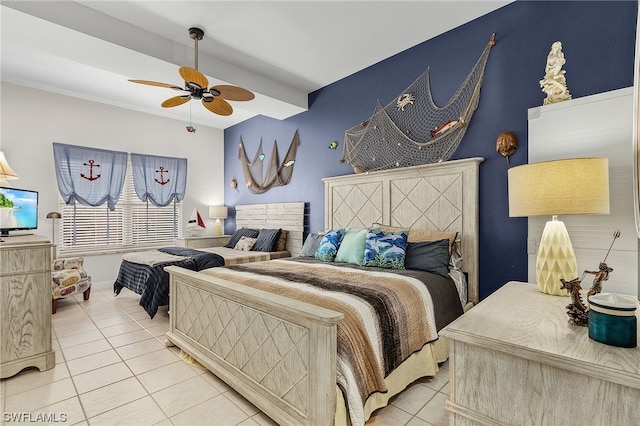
(214, 99)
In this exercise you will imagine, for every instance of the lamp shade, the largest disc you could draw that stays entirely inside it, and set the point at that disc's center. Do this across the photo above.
(5, 171)
(218, 212)
(574, 186)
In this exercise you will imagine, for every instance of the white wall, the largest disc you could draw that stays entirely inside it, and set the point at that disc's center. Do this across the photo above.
(32, 119)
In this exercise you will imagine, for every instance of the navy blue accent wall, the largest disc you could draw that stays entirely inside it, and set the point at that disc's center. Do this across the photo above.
(598, 40)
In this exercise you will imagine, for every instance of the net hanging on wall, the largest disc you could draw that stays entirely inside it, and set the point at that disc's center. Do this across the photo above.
(277, 175)
(411, 130)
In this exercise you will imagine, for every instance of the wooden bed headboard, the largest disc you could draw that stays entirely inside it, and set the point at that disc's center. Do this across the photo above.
(288, 216)
(434, 197)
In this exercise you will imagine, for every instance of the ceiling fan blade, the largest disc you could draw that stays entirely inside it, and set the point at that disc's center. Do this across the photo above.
(175, 101)
(155, 83)
(218, 106)
(191, 75)
(233, 93)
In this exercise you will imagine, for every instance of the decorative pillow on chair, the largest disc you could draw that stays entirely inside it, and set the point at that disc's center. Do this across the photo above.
(247, 232)
(71, 263)
(267, 239)
(310, 245)
(385, 249)
(329, 245)
(430, 256)
(245, 243)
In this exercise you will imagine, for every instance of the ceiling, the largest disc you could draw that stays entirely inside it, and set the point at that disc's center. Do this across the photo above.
(280, 50)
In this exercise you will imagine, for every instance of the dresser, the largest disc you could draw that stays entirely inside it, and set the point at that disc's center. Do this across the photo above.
(203, 242)
(514, 359)
(25, 304)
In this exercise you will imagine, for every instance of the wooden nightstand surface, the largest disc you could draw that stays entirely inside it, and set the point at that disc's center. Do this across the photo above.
(514, 358)
(203, 241)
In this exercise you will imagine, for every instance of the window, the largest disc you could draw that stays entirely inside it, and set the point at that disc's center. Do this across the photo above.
(99, 230)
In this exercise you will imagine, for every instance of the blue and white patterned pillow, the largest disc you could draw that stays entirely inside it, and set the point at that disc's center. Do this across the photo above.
(385, 249)
(329, 245)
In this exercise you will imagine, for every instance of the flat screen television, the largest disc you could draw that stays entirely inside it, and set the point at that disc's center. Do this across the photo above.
(18, 210)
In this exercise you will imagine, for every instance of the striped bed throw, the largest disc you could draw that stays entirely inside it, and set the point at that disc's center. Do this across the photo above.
(389, 315)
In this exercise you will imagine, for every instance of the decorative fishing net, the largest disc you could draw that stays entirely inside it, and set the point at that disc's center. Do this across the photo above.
(411, 130)
(277, 175)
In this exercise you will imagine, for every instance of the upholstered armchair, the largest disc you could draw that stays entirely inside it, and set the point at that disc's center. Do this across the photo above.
(68, 277)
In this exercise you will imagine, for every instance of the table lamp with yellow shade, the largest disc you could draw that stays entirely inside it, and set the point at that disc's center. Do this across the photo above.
(559, 187)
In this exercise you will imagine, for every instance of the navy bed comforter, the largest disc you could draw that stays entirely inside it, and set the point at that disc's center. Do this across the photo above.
(152, 282)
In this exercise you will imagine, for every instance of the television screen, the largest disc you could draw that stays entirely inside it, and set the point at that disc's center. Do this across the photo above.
(18, 210)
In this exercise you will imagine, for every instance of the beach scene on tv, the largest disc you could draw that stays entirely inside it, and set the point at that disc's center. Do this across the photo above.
(18, 209)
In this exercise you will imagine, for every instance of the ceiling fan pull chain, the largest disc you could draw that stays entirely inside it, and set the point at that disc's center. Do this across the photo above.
(190, 127)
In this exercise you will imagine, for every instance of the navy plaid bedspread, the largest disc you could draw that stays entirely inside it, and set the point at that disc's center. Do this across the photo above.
(152, 282)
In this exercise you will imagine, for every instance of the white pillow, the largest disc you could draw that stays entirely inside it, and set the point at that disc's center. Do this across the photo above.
(245, 243)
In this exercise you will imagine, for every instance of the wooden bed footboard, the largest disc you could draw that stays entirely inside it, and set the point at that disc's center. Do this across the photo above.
(278, 353)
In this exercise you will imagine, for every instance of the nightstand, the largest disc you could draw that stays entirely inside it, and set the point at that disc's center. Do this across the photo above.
(514, 359)
(203, 242)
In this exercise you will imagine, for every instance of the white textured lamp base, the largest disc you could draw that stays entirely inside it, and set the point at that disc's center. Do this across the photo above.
(217, 228)
(556, 259)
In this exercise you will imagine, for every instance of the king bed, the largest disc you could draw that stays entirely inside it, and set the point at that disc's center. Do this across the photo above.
(317, 342)
(144, 274)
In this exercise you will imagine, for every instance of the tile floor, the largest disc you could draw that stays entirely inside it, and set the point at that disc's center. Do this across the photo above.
(112, 368)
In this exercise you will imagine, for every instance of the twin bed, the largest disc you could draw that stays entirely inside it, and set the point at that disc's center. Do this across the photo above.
(144, 274)
(321, 343)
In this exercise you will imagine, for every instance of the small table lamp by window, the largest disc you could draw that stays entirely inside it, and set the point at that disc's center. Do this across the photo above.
(574, 186)
(5, 171)
(217, 213)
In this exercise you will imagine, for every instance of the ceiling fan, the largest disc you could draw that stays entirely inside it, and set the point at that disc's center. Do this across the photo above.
(195, 87)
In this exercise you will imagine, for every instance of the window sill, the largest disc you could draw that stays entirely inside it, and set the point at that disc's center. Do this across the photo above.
(100, 252)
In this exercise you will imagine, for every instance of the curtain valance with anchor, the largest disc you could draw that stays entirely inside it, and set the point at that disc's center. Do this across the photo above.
(90, 176)
(159, 180)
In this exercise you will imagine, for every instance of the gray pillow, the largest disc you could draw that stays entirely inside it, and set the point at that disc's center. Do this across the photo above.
(242, 232)
(267, 239)
(311, 245)
(429, 256)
